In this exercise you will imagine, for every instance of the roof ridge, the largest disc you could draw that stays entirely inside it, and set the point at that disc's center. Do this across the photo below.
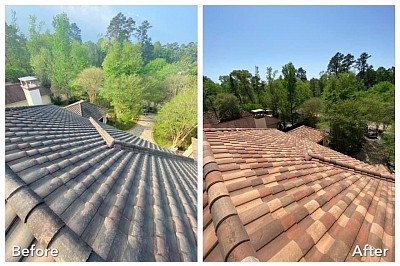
(51, 232)
(350, 166)
(229, 229)
(113, 143)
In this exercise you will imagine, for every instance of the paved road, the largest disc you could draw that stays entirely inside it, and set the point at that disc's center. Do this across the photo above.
(144, 127)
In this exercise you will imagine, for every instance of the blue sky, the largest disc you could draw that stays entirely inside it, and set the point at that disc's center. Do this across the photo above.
(241, 37)
(169, 23)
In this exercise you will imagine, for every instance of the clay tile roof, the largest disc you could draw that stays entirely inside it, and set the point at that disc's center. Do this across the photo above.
(14, 93)
(309, 133)
(94, 192)
(86, 109)
(271, 196)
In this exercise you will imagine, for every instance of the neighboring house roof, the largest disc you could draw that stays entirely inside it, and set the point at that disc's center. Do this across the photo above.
(94, 192)
(309, 133)
(247, 121)
(85, 109)
(14, 93)
(270, 196)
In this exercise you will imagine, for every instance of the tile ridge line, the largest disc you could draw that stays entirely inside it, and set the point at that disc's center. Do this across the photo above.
(374, 173)
(31, 208)
(113, 143)
(223, 212)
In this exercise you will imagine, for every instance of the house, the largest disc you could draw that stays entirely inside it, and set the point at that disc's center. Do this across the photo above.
(246, 121)
(273, 196)
(86, 109)
(305, 132)
(93, 192)
(28, 92)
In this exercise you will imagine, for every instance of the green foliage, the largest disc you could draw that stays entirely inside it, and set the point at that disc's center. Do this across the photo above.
(389, 143)
(289, 83)
(210, 92)
(342, 87)
(90, 80)
(121, 28)
(228, 106)
(125, 93)
(378, 103)
(61, 51)
(79, 57)
(16, 52)
(177, 118)
(250, 106)
(310, 109)
(123, 59)
(14, 72)
(347, 126)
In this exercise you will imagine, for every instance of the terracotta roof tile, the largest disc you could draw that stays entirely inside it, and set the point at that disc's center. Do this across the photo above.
(67, 189)
(296, 200)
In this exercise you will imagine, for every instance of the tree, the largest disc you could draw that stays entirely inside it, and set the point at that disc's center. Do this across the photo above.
(228, 107)
(315, 87)
(123, 58)
(272, 95)
(311, 109)
(303, 92)
(289, 73)
(177, 83)
(257, 84)
(342, 87)
(361, 63)
(347, 63)
(16, 52)
(75, 33)
(210, 92)
(178, 118)
(335, 64)
(301, 74)
(347, 126)
(241, 82)
(120, 28)
(125, 93)
(90, 79)
(61, 51)
(145, 40)
(79, 58)
(95, 54)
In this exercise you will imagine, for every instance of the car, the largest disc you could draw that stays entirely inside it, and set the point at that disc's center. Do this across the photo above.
(145, 110)
(372, 133)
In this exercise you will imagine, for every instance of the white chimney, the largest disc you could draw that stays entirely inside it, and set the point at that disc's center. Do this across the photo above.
(259, 118)
(31, 90)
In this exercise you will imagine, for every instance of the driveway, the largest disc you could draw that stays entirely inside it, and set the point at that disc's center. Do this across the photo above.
(144, 127)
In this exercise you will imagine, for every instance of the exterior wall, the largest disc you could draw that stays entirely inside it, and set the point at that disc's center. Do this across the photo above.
(46, 99)
(260, 123)
(33, 97)
(21, 103)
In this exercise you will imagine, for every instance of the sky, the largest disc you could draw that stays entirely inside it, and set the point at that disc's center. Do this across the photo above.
(242, 37)
(169, 23)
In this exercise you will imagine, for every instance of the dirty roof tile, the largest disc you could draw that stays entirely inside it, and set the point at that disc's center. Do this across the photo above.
(114, 202)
